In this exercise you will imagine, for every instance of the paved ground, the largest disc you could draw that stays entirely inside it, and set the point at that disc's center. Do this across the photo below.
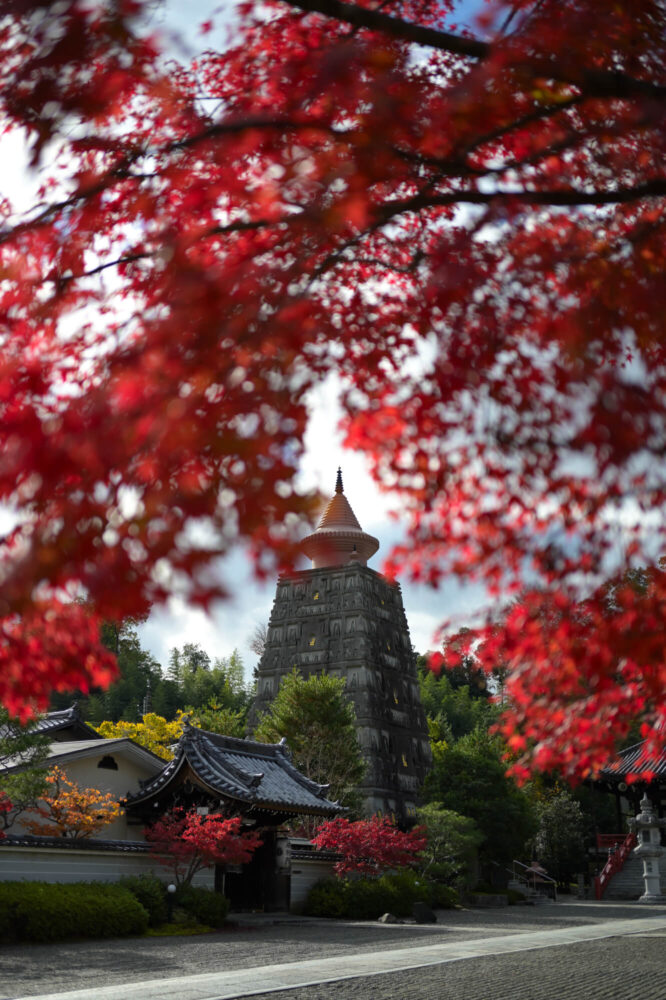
(612, 969)
(628, 960)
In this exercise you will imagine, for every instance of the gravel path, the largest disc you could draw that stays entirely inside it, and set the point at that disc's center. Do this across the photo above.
(29, 970)
(614, 969)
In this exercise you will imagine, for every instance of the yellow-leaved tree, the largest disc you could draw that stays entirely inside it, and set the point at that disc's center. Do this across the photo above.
(69, 811)
(153, 732)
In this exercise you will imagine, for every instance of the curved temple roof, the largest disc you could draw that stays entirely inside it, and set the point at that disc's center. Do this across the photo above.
(636, 761)
(68, 722)
(339, 538)
(254, 774)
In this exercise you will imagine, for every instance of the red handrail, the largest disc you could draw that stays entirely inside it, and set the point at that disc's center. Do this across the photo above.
(615, 863)
(606, 840)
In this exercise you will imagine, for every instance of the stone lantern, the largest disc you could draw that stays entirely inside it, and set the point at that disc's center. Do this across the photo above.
(649, 850)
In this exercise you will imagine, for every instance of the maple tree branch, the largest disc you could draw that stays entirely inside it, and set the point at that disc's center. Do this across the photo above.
(121, 171)
(564, 198)
(539, 114)
(233, 127)
(396, 27)
(596, 83)
(406, 269)
(130, 258)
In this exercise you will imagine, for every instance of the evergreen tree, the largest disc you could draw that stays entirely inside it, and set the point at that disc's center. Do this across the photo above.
(560, 839)
(20, 746)
(318, 721)
(138, 684)
(453, 705)
(469, 777)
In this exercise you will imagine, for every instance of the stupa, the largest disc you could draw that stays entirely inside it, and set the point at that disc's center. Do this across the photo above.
(343, 618)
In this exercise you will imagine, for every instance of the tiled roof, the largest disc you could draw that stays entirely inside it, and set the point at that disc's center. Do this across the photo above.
(75, 843)
(635, 760)
(65, 718)
(75, 749)
(255, 774)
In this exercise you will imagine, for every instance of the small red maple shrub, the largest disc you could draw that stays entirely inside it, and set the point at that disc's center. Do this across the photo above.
(5, 807)
(369, 846)
(185, 842)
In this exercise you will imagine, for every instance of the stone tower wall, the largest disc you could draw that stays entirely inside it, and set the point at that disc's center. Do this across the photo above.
(349, 621)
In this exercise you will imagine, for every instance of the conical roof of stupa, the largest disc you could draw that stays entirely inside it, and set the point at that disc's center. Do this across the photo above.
(338, 515)
(339, 538)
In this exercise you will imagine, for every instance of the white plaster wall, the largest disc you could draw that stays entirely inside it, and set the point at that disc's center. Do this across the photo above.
(43, 864)
(86, 774)
(305, 874)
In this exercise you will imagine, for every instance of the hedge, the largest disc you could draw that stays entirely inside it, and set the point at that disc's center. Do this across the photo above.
(151, 893)
(46, 911)
(207, 907)
(368, 899)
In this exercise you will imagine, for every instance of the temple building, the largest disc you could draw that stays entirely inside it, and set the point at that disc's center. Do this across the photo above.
(233, 777)
(210, 773)
(343, 618)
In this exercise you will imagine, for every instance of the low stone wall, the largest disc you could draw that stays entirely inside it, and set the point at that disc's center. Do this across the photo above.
(307, 868)
(82, 861)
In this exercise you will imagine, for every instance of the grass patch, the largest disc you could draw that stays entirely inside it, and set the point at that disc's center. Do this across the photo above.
(178, 930)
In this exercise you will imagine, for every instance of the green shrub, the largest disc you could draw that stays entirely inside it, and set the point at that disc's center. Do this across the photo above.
(151, 893)
(44, 911)
(368, 898)
(515, 896)
(443, 897)
(403, 889)
(327, 899)
(207, 907)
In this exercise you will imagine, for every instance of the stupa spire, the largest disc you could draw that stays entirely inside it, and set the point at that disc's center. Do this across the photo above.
(339, 537)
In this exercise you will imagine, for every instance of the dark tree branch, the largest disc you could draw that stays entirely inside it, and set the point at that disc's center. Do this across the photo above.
(395, 27)
(130, 258)
(555, 199)
(595, 83)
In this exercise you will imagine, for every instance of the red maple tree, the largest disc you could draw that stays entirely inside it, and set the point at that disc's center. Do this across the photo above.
(369, 846)
(5, 807)
(186, 842)
(468, 229)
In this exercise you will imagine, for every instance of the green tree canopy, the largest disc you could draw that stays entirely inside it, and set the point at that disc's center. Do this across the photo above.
(455, 706)
(560, 838)
(22, 747)
(317, 719)
(139, 684)
(217, 718)
(453, 840)
(469, 777)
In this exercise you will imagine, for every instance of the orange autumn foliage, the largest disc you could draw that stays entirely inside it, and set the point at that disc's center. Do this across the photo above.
(70, 811)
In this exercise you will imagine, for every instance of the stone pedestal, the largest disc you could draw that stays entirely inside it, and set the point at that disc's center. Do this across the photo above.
(649, 850)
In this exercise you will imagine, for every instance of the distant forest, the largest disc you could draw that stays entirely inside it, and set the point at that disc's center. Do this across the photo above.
(191, 681)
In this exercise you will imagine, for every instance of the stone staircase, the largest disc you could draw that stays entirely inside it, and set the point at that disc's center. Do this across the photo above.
(628, 882)
(531, 895)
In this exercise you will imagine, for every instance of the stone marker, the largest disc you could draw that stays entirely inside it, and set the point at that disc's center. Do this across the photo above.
(423, 914)
(388, 918)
